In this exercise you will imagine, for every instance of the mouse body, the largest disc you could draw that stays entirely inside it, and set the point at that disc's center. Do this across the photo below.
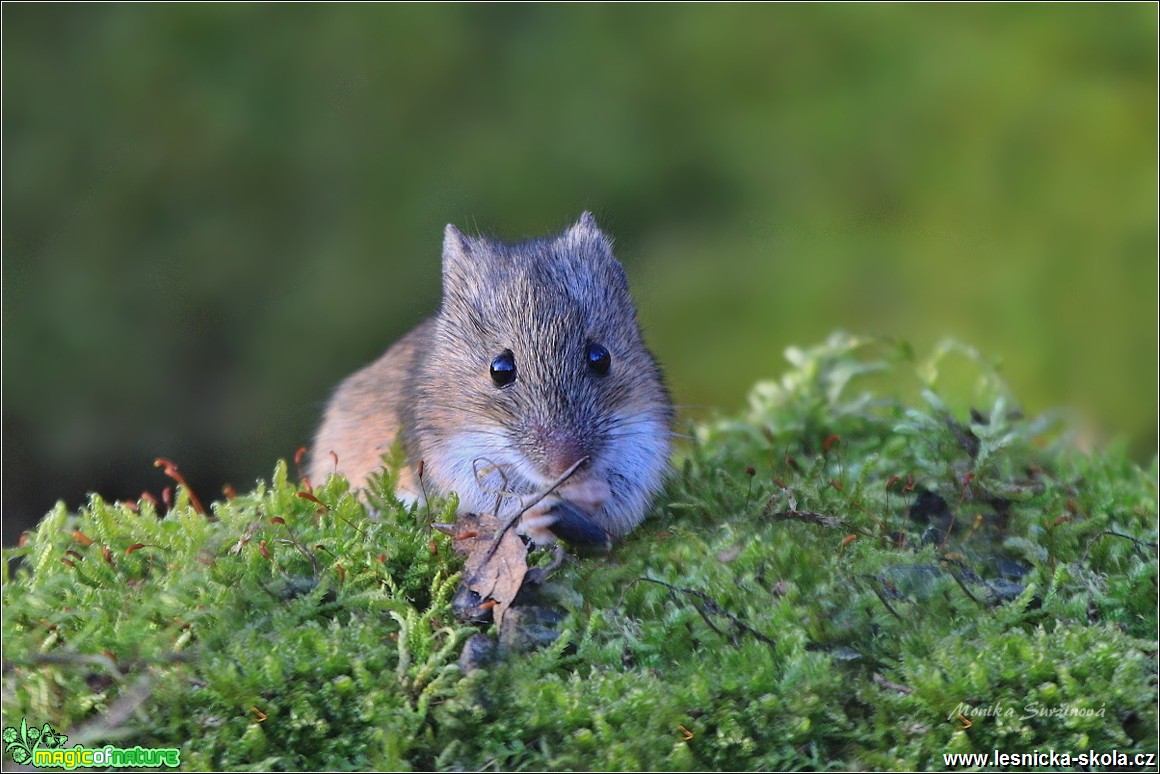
(533, 364)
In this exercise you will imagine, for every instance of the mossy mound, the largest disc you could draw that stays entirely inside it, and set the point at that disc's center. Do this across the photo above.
(862, 572)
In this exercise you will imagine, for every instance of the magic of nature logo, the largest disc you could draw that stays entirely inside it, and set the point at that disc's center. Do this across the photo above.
(44, 747)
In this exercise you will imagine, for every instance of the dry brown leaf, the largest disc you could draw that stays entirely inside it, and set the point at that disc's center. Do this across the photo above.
(494, 575)
(497, 558)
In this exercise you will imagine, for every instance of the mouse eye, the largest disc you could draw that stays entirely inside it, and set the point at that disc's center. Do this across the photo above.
(503, 368)
(598, 359)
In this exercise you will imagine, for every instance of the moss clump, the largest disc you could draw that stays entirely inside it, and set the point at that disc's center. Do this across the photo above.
(285, 633)
(847, 577)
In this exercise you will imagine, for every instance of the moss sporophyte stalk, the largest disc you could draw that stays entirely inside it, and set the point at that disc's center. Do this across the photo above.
(880, 563)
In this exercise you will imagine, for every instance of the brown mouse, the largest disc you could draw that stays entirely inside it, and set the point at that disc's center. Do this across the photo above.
(534, 362)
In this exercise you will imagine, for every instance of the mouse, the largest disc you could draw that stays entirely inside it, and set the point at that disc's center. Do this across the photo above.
(533, 376)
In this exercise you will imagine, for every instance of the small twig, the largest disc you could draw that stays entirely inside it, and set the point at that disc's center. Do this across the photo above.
(1113, 533)
(963, 586)
(880, 680)
(70, 659)
(537, 575)
(115, 670)
(808, 516)
(499, 493)
(294, 541)
(510, 522)
(709, 607)
(882, 597)
(111, 724)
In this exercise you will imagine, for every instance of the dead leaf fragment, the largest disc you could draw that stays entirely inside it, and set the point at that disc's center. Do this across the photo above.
(496, 575)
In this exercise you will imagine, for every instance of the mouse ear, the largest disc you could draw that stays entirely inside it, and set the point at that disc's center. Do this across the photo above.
(457, 252)
(585, 225)
(454, 242)
(586, 230)
(588, 220)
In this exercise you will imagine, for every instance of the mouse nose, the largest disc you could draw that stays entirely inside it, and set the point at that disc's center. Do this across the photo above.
(564, 456)
(561, 450)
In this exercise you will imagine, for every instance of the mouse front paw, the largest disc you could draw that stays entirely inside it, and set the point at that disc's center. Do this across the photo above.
(563, 520)
(574, 526)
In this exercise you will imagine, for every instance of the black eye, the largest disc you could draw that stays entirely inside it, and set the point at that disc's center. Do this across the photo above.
(503, 368)
(598, 359)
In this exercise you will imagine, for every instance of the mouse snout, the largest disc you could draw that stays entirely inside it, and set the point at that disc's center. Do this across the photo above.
(564, 455)
(560, 450)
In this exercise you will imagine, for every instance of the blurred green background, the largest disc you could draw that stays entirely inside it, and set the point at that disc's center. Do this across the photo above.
(213, 213)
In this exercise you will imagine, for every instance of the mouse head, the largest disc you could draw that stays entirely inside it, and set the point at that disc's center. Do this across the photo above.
(538, 362)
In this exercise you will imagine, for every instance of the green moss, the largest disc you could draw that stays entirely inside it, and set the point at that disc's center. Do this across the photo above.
(838, 579)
